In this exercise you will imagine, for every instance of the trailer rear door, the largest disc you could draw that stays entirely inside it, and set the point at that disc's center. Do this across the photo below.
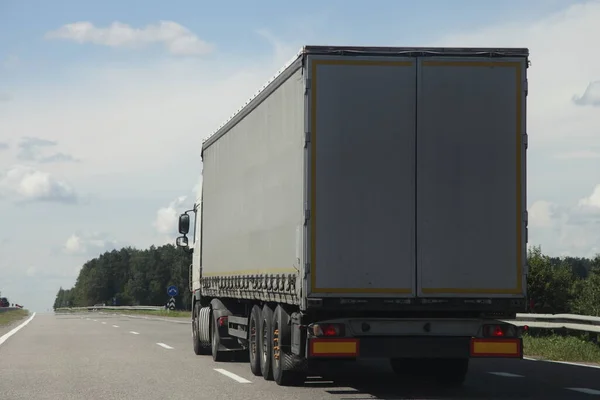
(361, 174)
(470, 177)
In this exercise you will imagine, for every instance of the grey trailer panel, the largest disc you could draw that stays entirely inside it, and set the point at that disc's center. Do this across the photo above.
(470, 177)
(362, 176)
(253, 184)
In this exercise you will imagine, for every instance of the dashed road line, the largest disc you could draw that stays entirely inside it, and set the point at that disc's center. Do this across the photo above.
(231, 375)
(586, 391)
(166, 346)
(134, 332)
(95, 320)
(506, 374)
(115, 326)
(104, 323)
(5, 337)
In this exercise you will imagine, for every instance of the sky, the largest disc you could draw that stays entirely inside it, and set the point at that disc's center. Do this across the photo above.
(104, 106)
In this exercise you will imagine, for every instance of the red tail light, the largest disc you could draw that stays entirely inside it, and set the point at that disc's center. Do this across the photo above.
(329, 330)
(222, 321)
(499, 330)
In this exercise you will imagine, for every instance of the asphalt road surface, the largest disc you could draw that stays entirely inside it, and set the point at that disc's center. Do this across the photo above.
(101, 356)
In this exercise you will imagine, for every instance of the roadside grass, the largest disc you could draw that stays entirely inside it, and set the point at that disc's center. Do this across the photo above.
(8, 317)
(561, 348)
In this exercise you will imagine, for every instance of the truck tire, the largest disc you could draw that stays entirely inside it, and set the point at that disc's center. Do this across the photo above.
(215, 340)
(283, 362)
(200, 347)
(254, 348)
(266, 340)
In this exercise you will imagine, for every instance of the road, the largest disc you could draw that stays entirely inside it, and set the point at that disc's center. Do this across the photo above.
(102, 356)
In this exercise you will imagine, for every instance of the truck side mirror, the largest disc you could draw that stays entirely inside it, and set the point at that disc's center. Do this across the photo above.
(182, 241)
(184, 224)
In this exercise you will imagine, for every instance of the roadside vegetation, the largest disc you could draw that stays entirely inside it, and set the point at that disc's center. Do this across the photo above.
(561, 348)
(8, 317)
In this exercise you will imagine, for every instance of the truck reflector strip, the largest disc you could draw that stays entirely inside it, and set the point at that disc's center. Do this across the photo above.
(333, 347)
(496, 348)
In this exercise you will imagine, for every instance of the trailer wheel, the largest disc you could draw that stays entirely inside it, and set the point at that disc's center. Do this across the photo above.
(254, 348)
(199, 347)
(217, 355)
(266, 338)
(283, 363)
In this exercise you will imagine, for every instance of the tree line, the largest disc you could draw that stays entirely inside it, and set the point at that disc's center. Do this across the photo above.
(129, 277)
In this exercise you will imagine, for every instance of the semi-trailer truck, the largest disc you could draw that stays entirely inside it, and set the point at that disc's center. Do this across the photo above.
(368, 202)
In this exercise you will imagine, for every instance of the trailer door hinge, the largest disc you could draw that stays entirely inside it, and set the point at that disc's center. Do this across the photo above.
(526, 86)
(306, 138)
(306, 214)
(308, 84)
(526, 140)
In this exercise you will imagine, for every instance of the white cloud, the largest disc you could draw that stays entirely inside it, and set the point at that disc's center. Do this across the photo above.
(90, 244)
(567, 229)
(592, 200)
(29, 184)
(591, 96)
(542, 214)
(176, 38)
(167, 217)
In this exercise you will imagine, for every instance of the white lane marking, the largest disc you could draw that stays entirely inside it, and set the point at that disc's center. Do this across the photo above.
(506, 374)
(95, 320)
(5, 337)
(87, 319)
(115, 326)
(585, 390)
(104, 323)
(231, 375)
(166, 346)
(134, 332)
(563, 362)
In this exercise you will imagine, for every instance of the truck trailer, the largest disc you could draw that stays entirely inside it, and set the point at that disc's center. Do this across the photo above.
(368, 202)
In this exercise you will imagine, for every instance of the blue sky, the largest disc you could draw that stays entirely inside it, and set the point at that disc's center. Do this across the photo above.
(101, 125)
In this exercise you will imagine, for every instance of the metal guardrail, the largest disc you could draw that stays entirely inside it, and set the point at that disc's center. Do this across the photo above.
(576, 322)
(584, 323)
(95, 308)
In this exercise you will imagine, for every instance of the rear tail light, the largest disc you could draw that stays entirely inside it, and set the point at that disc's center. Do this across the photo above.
(328, 330)
(499, 330)
(222, 321)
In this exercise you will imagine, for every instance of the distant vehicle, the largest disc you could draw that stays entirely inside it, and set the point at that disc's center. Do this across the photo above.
(4, 302)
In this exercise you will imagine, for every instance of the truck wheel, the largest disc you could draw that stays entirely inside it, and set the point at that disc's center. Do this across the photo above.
(217, 354)
(266, 340)
(282, 361)
(254, 341)
(199, 347)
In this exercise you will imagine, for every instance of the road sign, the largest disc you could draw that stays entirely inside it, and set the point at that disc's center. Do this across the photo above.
(171, 303)
(172, 291)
